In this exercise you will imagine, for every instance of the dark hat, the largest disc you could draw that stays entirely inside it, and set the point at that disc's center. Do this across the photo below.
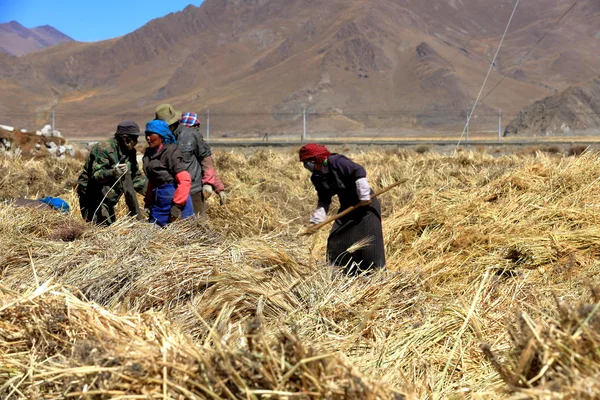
(128, 128)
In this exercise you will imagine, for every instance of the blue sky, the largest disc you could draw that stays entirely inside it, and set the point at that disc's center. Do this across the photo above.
(91, 20)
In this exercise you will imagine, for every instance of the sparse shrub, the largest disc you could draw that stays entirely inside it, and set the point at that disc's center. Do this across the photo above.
(577, 150)
(422, 149)
(553, 149)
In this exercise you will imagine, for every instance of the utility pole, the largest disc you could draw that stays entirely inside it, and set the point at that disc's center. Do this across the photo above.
(207, 125)
(468, 118)
(499, 125)
(304, 125)
(53, 122)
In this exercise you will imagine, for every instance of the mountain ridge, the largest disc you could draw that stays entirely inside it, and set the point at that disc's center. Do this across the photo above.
(259, 63)
(17, 40)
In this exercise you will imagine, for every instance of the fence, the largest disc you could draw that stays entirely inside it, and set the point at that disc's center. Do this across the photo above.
(308, 124)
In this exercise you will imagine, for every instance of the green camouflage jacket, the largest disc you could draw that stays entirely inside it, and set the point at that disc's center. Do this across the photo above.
(97, 175)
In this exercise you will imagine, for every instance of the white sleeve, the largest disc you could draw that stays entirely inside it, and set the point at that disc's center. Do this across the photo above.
(324, 206)
(363, 190)
(318, 216)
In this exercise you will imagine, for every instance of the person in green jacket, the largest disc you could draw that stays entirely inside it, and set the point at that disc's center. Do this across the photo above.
(104, 176)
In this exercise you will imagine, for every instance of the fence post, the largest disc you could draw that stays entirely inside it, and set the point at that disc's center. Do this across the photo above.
(468, 120)
(499, 125)
(304, 125)
(207, 125)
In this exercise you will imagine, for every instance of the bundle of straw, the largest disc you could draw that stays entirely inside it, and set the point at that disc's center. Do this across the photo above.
(55, 346)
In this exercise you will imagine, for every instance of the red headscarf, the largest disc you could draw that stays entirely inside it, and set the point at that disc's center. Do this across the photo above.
(313, 150)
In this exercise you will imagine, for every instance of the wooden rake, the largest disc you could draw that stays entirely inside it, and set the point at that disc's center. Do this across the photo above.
(312, 229)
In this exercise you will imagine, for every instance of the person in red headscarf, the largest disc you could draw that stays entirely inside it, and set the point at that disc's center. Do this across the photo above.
(335, 174)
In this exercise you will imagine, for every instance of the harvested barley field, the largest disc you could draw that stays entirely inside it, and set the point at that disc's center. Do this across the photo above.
(489, 292)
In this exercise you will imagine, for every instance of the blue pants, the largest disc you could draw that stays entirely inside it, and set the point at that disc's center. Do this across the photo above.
(162, 200)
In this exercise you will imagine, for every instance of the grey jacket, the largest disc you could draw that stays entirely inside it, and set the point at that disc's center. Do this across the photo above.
(194, 150)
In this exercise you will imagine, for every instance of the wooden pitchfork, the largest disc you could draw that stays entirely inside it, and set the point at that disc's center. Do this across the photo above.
(312, 229)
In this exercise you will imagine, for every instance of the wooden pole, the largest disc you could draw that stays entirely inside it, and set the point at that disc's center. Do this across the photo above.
(314, 228)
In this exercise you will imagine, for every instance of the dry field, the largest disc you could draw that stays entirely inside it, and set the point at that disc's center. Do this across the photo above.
(489, 293)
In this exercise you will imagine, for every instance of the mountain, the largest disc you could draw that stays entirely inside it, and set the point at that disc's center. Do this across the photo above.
(17, 40)
(355, 65)
(574, 110)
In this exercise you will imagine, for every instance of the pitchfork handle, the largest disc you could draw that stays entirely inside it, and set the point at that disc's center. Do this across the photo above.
(348, 210)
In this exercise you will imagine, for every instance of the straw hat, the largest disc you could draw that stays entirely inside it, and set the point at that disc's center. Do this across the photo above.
(167, 113)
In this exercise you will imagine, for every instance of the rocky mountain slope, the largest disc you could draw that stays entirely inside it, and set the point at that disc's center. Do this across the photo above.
(355, 65)
(575, 110)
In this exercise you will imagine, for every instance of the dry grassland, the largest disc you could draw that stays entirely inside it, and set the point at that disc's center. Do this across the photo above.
(489, 293)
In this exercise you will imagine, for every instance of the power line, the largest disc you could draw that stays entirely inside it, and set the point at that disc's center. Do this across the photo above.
(488, 73)
(534, 46)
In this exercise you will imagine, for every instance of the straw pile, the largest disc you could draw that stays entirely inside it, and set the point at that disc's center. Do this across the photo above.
(472, 240)
(554, 357)
(41, 177)
(57, 346)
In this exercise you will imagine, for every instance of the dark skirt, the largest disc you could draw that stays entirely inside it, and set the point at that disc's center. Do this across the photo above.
(356, 240)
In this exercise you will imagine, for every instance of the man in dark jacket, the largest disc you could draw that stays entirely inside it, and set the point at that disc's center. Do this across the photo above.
(102, 181)
(196, 154)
